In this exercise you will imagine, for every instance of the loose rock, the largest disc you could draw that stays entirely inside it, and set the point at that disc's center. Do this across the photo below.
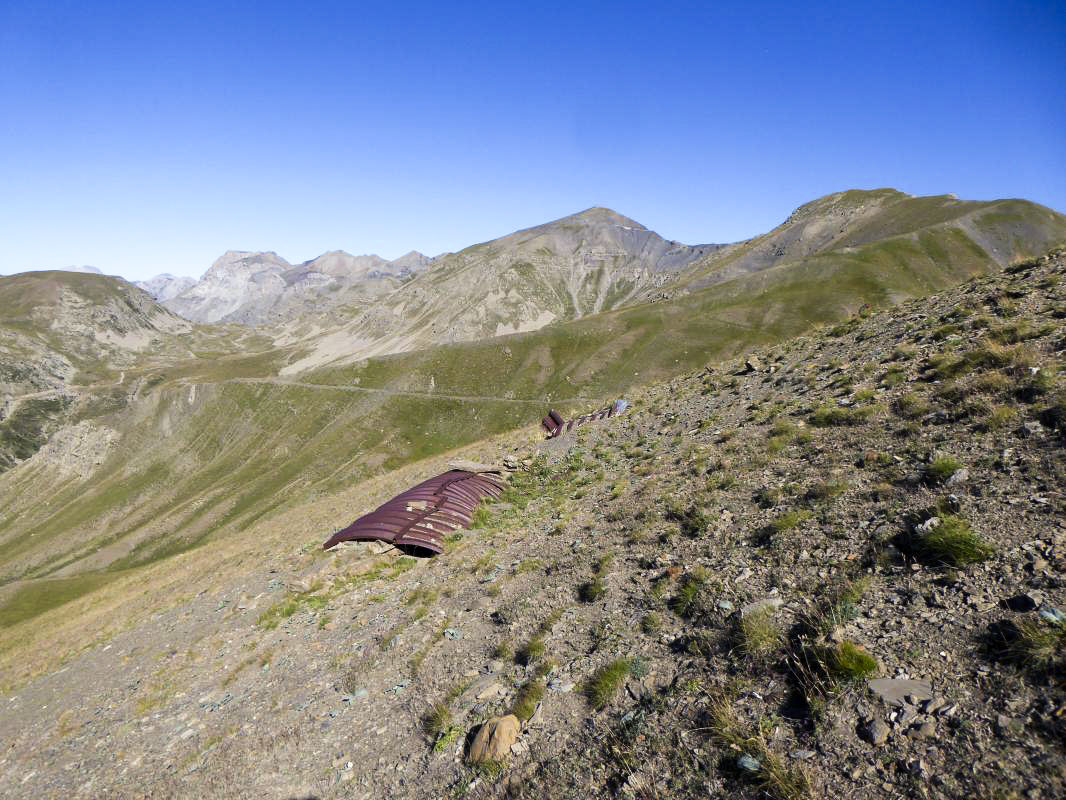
(494, 740)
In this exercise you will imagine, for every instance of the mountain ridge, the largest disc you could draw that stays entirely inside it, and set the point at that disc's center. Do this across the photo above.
(210, 397)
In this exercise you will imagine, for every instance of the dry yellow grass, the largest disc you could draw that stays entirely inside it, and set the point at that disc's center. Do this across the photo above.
(291, 538)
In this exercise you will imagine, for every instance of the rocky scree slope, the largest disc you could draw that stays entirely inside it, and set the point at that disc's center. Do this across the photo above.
(834, 566)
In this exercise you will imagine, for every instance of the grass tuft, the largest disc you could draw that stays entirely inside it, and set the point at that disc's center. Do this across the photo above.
(940, 470)
(850, 662)
(773, 778)
(686, 602)
(826, 490)
(525, 704)
(605, 682)
(591, 591)
(531, 651)
(834, 416)
(1037, 644)
(759, 633)
(651, 624)
(953, 543)
(692, 521)
(436, 720)
(911, 406)
(789, 520)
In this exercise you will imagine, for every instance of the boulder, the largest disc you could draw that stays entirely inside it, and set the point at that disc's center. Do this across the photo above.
(758, 606)
(895, 691)
(875, 731)
(493, 741)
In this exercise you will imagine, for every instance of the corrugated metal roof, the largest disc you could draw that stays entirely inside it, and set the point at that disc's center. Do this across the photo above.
(554, 424)
(417, 520)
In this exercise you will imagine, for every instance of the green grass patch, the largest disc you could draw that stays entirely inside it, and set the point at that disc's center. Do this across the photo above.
(953, 543)
(790, 520)
(939, 470)
(605, 682)
(38, 596)
(525, 703)
(835, 416)
(848, 661)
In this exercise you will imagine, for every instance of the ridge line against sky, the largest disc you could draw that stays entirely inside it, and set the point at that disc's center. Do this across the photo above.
(146, 139)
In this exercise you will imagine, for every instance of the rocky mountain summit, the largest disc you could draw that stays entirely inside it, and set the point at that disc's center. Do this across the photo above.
(832, 565)
(255, 288)
(165, 286)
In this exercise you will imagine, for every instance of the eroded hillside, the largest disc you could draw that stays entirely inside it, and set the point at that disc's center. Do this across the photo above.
(689, 600)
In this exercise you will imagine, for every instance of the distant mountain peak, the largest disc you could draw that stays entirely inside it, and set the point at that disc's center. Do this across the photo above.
(165, 286)
(85, 268)
(245, 261)
(599, 215)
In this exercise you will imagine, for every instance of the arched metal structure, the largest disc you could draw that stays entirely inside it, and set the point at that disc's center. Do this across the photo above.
(417, 520)
(554, 424)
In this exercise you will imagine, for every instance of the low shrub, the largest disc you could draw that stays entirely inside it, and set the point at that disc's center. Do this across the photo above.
(833, 416)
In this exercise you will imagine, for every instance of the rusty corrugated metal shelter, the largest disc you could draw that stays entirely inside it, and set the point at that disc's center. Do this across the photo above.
(417, 520)
(554, 424)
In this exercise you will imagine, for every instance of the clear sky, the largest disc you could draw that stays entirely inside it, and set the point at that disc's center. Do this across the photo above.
(143, 137)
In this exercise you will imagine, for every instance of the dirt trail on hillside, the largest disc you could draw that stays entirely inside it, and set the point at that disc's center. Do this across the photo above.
(407, 393)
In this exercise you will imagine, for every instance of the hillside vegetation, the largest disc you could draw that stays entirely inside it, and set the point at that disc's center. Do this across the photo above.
(833, 565)
(147, 436)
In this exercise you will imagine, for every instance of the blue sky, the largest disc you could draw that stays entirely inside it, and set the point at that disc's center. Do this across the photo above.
(146, 137)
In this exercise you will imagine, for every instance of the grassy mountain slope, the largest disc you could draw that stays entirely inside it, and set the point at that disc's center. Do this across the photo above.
(598, 261)
(198, 445)
(605, 353)
(1003, 229)
(579, 265)
(686, 601)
